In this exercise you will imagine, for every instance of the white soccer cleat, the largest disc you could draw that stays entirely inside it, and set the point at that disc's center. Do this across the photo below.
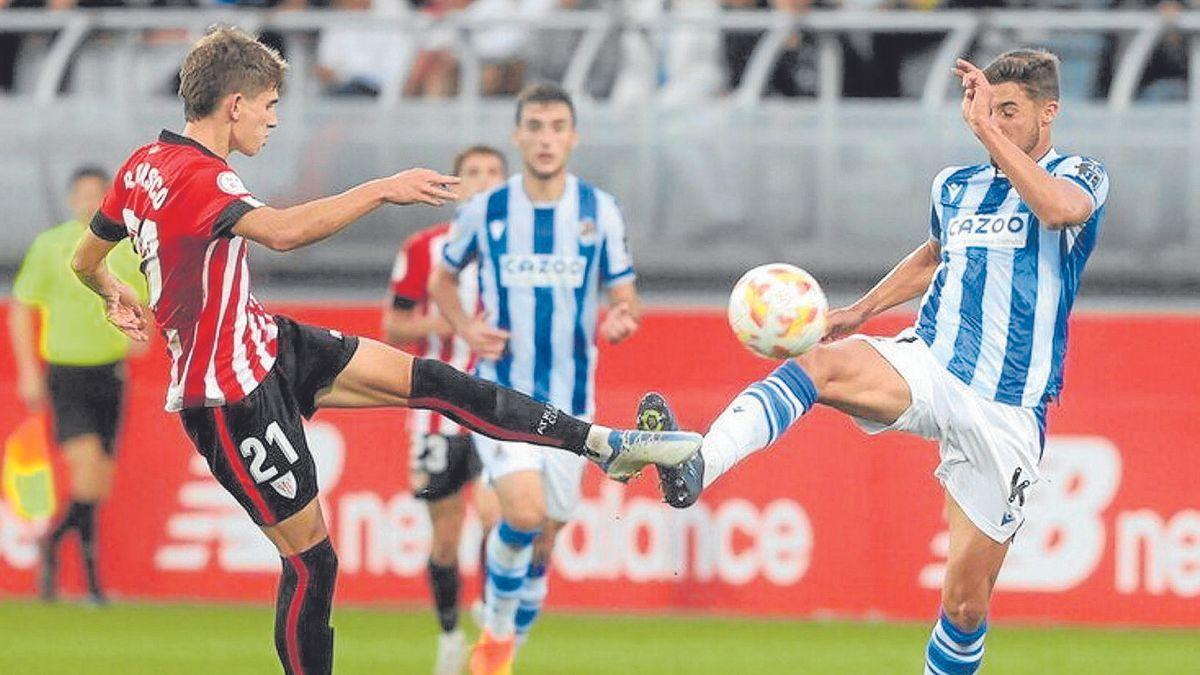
(452, 653)
(633, 450)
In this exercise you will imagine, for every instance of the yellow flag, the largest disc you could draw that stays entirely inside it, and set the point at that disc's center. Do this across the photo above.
(28, 480)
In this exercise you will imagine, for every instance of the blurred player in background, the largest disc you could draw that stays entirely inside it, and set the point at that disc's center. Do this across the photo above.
(242, 378)
(443, 456)
(1007, 244)
(85, 378)
(546, 242)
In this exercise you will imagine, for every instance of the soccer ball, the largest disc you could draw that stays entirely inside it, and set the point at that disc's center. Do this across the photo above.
(777, 311)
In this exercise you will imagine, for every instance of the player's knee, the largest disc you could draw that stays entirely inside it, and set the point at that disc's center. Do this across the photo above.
(820, 364)
(444, 551)
(526, 517)
(967, 614)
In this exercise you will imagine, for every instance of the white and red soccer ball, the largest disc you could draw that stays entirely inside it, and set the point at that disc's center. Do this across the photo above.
(777, 311)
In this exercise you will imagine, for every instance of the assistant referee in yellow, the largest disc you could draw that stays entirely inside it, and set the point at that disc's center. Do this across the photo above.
(84, 379)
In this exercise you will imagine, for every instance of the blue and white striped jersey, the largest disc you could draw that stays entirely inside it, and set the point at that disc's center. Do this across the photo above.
(996, 313)
(540, 270)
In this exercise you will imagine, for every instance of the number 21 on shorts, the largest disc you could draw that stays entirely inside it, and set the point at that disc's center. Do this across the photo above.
(256, 451)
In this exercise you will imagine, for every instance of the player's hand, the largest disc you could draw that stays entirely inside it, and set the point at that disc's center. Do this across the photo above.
(840, 323)
(439, 326)
(485, 341)
(977, 95)
(619, 323)
(420, 186)
(124, 310)
(31, 387)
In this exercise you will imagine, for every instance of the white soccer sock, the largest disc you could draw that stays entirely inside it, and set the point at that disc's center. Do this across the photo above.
(509, 552)
(756, 418)
(531, 596)
(597, 443)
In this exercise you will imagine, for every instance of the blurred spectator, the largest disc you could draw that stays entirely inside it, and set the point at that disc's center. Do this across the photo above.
(10, 43)
(795, 71)
(676, 62)
(501, 49)
(1166, 74)
(361, 60)
(553, 50)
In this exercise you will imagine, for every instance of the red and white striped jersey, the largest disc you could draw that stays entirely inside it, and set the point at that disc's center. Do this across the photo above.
(410, 281)
(179, 202)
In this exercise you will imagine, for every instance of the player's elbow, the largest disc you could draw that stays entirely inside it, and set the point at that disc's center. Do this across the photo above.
(1067, 213)
(282, 241)
(82, 264)
(1061, 219)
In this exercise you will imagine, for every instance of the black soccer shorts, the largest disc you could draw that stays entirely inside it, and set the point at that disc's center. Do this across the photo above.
(87, 400)
(256, 447)
(442, 465)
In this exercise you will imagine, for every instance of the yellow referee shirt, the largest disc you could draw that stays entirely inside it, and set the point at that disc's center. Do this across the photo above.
(74, 330)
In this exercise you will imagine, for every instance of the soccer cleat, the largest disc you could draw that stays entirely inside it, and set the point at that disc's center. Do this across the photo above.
(492, 656)
(452, 653)
(633, 450)
(681, 484)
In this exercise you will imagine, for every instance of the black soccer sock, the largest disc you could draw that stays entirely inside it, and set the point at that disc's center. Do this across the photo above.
(443, 581)
(69, 521)
(492, 410)
(86, 524)
(303, 636)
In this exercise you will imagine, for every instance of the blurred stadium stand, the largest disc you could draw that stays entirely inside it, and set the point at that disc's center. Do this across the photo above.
(730, 136)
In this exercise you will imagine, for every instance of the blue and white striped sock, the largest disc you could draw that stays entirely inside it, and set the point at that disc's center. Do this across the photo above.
(756, 418)
(532, 595)
(953, 651)
(509, 552)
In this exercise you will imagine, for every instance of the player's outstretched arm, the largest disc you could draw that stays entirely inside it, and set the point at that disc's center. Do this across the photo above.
(123, 306)
(909, 279)
(304, 224)
(487, 342)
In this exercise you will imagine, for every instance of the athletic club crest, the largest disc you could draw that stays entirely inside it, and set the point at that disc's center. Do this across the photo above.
(285, 485)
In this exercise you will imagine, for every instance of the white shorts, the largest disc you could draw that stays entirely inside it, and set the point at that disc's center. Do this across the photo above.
(562, 472)
(989, 451)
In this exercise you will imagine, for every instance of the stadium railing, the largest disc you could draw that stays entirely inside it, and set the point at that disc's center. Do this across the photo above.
(838, 184)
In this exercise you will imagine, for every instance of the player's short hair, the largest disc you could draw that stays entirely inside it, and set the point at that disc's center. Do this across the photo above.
(88, 171)
(544, 92)
(225, 61)
(474, 150)
(1036, 70)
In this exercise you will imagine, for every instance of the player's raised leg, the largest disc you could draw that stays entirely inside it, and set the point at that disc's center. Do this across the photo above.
(850, 376)
(956, 645)
(379, 375)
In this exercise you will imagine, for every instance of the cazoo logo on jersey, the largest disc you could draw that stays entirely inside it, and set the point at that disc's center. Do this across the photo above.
(541, 270)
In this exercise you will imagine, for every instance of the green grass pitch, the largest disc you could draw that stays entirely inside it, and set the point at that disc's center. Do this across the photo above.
(128, 639)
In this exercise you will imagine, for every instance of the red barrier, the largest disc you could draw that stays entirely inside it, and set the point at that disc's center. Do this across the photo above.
(827, 522)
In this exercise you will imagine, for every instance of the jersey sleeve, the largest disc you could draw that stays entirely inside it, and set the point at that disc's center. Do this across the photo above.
(1089, 174)
(935, 203)
(410, 273)
(462, 242)
(30, 285)
(616, 265)
(221, 200)
(124, 262)
(108, 223)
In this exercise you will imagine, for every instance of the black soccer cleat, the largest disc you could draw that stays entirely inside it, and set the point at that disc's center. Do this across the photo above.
(681, 484)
